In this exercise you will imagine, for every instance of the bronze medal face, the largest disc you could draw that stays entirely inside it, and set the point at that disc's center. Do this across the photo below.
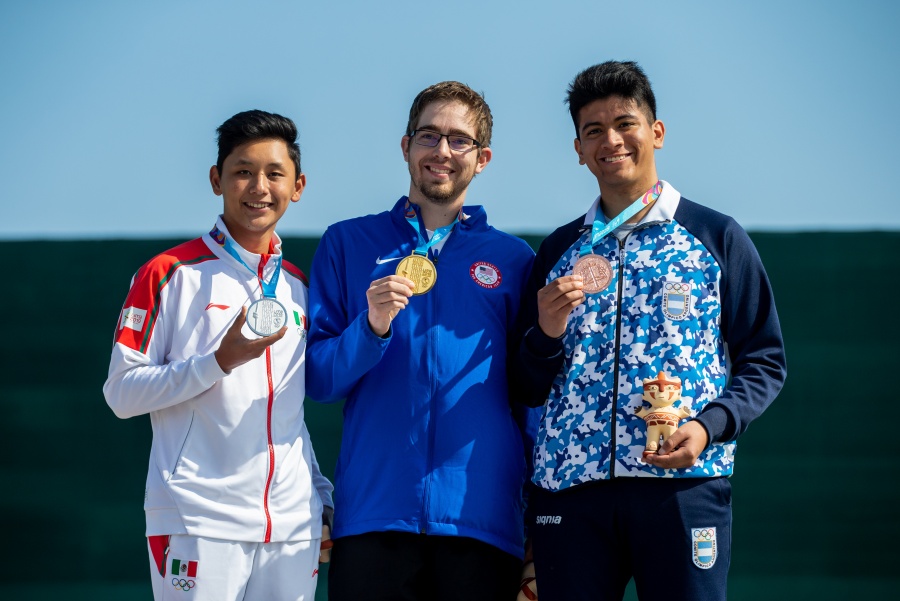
(595, 271)
(420, 270)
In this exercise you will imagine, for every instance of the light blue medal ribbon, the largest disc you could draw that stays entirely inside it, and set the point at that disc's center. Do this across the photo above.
(266, 315)
(595, 270)
(600, 230)
(438, 235)
(417, 267)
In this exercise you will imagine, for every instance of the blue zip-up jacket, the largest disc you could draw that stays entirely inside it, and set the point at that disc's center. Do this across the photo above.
(688, 296)
(430, 443)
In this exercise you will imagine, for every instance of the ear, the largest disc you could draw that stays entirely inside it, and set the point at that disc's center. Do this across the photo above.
(659, 134)
(298, 187)
(404, 147)
(578, 151)
(215, 180)
(484, 157)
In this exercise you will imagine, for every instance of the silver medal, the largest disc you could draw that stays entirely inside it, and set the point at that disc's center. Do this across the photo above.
(266, 316)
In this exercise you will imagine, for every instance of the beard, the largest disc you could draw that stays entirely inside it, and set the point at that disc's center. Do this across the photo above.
(440, 194)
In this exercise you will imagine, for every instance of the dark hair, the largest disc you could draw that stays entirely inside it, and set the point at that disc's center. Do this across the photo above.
(612, 78)
(453, 91)
(251, 126)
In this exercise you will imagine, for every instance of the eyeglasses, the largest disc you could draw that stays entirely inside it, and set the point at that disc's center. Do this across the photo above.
(426, 137)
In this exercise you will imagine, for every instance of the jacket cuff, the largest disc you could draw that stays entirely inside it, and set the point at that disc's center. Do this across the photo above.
(209, 370)
(540, 345)
(715, 420)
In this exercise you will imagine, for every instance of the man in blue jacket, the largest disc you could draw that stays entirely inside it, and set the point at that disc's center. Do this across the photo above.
(647, 293)
(411, 311)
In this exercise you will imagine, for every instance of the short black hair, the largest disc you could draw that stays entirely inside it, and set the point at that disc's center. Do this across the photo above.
(254, 125)
(612, 78)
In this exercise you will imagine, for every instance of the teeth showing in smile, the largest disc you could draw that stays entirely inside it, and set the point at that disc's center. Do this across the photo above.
(257, 205)
(615, 159)
(439, 171)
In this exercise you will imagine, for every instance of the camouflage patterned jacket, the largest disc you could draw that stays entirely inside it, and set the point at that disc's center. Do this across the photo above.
(689, 295)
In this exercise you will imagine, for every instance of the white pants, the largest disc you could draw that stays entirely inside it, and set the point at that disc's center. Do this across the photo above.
(220, 570)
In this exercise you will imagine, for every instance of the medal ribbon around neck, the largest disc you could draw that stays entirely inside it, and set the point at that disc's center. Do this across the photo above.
(265, 316)
(268, 290)
(439, 234)
(600, 230)
(417, 267)
(595, 271)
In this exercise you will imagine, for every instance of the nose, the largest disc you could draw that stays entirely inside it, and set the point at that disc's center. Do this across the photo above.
(443, 147)
(612, 139)
(260, 184)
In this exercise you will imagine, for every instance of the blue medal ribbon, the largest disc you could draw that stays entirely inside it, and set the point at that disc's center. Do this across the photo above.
(439, 234)
(268, 289)
(600, 229)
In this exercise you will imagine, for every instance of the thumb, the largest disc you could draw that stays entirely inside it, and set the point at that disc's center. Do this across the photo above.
(239, 321)
(671, 442)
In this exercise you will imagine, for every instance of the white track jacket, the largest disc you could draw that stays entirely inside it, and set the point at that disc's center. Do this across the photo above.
(231, 456)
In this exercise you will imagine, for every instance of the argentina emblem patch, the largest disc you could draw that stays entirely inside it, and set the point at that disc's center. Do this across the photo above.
(677, 300)
(704, 547)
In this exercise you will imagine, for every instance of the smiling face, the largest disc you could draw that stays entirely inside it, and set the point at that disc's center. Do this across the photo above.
(617, 141)
(439, 175)
(257, 183)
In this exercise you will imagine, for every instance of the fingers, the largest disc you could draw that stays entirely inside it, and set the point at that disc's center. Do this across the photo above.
(387, 297)
(238, 322)
(326, 545)
(682, 448)
(679, 458)
(235, 349)
(556, 301)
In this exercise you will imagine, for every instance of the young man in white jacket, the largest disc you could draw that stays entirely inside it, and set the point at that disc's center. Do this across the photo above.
(211, 344)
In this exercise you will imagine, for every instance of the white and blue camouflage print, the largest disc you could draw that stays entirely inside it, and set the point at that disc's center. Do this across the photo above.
(668, 319)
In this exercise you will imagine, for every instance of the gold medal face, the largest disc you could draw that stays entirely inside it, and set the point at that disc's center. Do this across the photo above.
(595, 271)
(420, 270)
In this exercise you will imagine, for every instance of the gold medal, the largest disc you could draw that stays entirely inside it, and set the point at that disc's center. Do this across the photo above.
(420, 270)
(595, 271)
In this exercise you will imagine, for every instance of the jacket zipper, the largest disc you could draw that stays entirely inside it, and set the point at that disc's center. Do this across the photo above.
(615, 390)
(432, 361)
(271, 447)
(271, 473)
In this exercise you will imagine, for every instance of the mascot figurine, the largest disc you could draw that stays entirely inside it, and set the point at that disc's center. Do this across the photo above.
(662, 418)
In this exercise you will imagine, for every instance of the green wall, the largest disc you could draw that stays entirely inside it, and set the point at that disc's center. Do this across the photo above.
(816, 494)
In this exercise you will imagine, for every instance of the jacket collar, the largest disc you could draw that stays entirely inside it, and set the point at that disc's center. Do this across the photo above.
(663, 209)
(472, 217)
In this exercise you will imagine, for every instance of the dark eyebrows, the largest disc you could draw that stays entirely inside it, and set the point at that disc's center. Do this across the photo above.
(619, 119)
(246, 162)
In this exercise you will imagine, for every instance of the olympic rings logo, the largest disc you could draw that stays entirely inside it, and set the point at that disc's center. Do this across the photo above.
(704, 534)
(678, 286)
(182, 584)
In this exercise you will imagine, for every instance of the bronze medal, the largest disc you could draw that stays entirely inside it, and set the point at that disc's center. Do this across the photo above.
(595, 271)
(420, 270)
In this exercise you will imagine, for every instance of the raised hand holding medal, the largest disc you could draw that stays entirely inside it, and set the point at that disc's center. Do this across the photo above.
(266, 315)
(595, 270)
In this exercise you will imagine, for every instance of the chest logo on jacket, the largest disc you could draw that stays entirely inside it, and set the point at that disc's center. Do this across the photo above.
(485, 274)
(677, 301)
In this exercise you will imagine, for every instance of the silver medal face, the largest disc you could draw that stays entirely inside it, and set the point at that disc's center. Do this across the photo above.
(266, 316)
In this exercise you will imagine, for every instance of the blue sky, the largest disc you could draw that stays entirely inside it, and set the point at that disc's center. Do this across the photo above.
(779, 113)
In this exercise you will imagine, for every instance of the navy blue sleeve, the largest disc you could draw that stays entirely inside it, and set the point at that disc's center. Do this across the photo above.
(535, 358)
(750, 327)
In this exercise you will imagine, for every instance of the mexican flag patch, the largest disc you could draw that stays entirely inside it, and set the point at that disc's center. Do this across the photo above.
(183, 568)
